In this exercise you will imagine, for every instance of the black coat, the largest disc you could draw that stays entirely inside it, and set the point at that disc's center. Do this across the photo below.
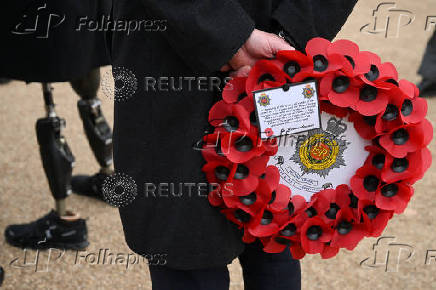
(154, 130)
(55, 50)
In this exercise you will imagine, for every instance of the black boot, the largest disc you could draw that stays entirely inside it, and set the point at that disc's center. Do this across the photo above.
(50, 231)
(90, 186)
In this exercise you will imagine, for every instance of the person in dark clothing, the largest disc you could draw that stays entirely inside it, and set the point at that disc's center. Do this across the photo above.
(41, 43)
(155, 128)
(427, 70)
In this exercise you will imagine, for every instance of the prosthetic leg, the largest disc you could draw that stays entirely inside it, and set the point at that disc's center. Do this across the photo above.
(56, 155)
(60, 228)
(98, 133)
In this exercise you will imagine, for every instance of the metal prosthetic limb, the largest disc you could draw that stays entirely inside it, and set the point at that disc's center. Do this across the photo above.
(97, 130)
(56, 156)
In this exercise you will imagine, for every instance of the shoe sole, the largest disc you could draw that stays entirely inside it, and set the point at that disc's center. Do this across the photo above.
(45, 246)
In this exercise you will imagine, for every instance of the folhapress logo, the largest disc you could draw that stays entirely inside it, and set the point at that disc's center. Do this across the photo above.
(388, 20)
(38, 20)
(388, 254)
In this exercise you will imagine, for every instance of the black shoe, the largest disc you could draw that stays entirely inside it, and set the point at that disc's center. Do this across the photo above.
(50, 231)
(91, 186)
(427, 88)
(2, 276)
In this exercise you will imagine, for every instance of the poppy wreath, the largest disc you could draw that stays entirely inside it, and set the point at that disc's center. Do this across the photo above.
(352, 84)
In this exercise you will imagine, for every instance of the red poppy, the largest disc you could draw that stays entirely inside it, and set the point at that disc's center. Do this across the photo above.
(271, 146)
(364, 125)
(217, 171)
(408, 88)
(340, 90)
(295, 64)
(314, 234)
(374, 218)
(410, 168)
(229, 117)
(408, 138)
(215, 197)
(334, 200)
(412, 111)
(254, 201)
(326, 106)
(241, 147)
(244, 177)
(280, 197)
(360, 63)
(394, 196)
(323, 63)
(377, 158)
(248, 104)
(365, 183)
(348, 232)
(237, 216)
(234, 90)
(211, 147)
(264, 71)
(251, 203)
(329, 251)
(248, 238)
(371, 100)
(277, 242)
(266, 223)
(390, 118)
(297, 205)
(378, 71)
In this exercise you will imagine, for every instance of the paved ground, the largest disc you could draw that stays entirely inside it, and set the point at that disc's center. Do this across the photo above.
(24, 195)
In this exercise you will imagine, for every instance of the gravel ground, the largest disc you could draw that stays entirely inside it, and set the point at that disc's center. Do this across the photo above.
(24, 193)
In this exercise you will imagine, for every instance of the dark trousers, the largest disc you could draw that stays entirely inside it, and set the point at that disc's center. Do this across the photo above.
(261, 271)
(428, 64)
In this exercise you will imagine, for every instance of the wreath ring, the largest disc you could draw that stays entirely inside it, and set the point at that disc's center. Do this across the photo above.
(353, 85)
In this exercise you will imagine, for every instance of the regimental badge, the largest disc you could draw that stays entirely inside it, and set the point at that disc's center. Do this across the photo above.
(308, 91)
(264, 100)
(321, 151)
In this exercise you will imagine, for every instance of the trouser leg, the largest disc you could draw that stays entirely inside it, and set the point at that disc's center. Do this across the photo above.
(428, 64)
(164, 278)
(264, 271)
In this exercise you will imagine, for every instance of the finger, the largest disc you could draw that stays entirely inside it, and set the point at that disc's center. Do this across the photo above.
(276, 44)
(242, 72)
(226, 68)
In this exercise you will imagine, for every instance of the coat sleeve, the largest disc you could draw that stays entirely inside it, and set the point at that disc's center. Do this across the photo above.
(204, 33)
(305, 19)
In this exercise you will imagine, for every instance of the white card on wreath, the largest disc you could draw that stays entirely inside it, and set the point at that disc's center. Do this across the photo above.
(290, 109)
